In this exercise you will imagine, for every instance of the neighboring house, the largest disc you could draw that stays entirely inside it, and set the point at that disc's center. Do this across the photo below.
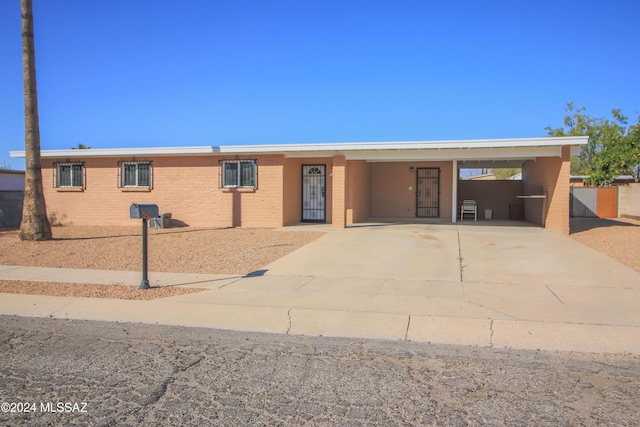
(483, 177)
(579, 180)
(11, 180)
(337, 183)
(516, 177)
(11, 197)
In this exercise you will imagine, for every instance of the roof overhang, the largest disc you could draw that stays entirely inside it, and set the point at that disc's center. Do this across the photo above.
(491, 164)
(519, 149)
(351, 149)
(122, 152)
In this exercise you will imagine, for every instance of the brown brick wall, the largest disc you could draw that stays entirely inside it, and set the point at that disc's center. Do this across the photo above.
(390, 193)
(185, 186)
(550, 176)
(338, 211)
(358, 191)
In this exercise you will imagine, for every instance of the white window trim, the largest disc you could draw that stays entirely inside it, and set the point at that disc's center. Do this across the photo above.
(121, 168)
(223, 184)
(71, 165)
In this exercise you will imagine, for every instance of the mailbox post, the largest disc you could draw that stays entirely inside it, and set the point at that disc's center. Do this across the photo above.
(144, 212)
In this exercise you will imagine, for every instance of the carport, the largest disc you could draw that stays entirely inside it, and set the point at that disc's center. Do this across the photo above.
(420, 180)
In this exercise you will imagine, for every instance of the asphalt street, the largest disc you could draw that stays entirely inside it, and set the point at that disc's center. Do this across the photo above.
(64, 372)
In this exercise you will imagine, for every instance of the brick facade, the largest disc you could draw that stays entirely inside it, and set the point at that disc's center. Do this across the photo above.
(358, 191)
(548, 176)
(186, 186)
(393, 189)
(339, 193)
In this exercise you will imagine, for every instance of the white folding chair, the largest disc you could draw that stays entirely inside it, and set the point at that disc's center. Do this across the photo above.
(469, 207)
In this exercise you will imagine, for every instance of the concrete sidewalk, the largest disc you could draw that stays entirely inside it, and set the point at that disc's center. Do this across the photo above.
(513, 287)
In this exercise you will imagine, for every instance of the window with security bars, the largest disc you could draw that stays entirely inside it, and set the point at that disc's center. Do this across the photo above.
(135, 174)
(238, 174)
(69, 175)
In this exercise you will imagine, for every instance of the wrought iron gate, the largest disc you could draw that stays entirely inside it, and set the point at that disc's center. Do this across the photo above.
(428, 192)
(313, 193)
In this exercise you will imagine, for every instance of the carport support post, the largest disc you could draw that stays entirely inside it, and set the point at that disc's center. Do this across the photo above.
(145, 280)
(454, 193)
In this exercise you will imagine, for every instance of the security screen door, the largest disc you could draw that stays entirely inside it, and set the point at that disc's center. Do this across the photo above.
(313, 193)
(428, 192)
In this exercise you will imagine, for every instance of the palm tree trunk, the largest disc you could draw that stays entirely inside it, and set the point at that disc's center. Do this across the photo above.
(35, 224)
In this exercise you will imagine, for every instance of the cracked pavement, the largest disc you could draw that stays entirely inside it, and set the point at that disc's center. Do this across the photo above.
(164, 375)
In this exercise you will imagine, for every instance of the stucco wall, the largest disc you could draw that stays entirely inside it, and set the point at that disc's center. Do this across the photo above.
(549, 176)
(494, 195)
(185, 186)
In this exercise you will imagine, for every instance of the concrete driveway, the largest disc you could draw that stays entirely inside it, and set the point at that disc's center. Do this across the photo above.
(396, 252)
(456, 253)
(487, 285)
(495, 286)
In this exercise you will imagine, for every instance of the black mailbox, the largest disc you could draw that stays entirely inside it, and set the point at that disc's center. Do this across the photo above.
(143, 211)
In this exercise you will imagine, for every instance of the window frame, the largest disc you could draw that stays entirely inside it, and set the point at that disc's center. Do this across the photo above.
(57, 174)
(240, 181)
(122, 175)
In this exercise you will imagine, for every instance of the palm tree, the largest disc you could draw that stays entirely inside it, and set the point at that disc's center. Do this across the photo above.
(35, 224)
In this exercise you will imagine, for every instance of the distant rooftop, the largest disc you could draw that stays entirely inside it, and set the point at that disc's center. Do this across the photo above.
(6, 170)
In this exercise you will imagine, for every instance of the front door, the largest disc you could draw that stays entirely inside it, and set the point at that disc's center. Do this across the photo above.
(313, 193)
(428, 192)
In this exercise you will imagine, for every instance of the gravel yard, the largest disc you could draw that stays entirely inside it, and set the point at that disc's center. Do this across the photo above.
(617, 238)
(172, 250)
(88, 290)
(216, 251)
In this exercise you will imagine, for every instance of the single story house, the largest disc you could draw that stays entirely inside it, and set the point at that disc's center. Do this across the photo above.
(337, 183)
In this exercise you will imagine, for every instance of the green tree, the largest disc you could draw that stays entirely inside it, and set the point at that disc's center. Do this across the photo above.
(81, 147)
(505, 173)
(35, 224)
(627, 153)
(610, 150)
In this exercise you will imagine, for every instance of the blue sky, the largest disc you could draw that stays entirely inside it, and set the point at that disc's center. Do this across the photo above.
(167, 73)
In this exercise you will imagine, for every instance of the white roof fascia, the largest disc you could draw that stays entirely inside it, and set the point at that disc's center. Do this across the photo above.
(440, 155)
(502, 163)
(123, 152)
(317, 150)
(406, 145)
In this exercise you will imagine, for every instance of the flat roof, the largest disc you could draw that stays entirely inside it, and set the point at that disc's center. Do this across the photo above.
(324, 149)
